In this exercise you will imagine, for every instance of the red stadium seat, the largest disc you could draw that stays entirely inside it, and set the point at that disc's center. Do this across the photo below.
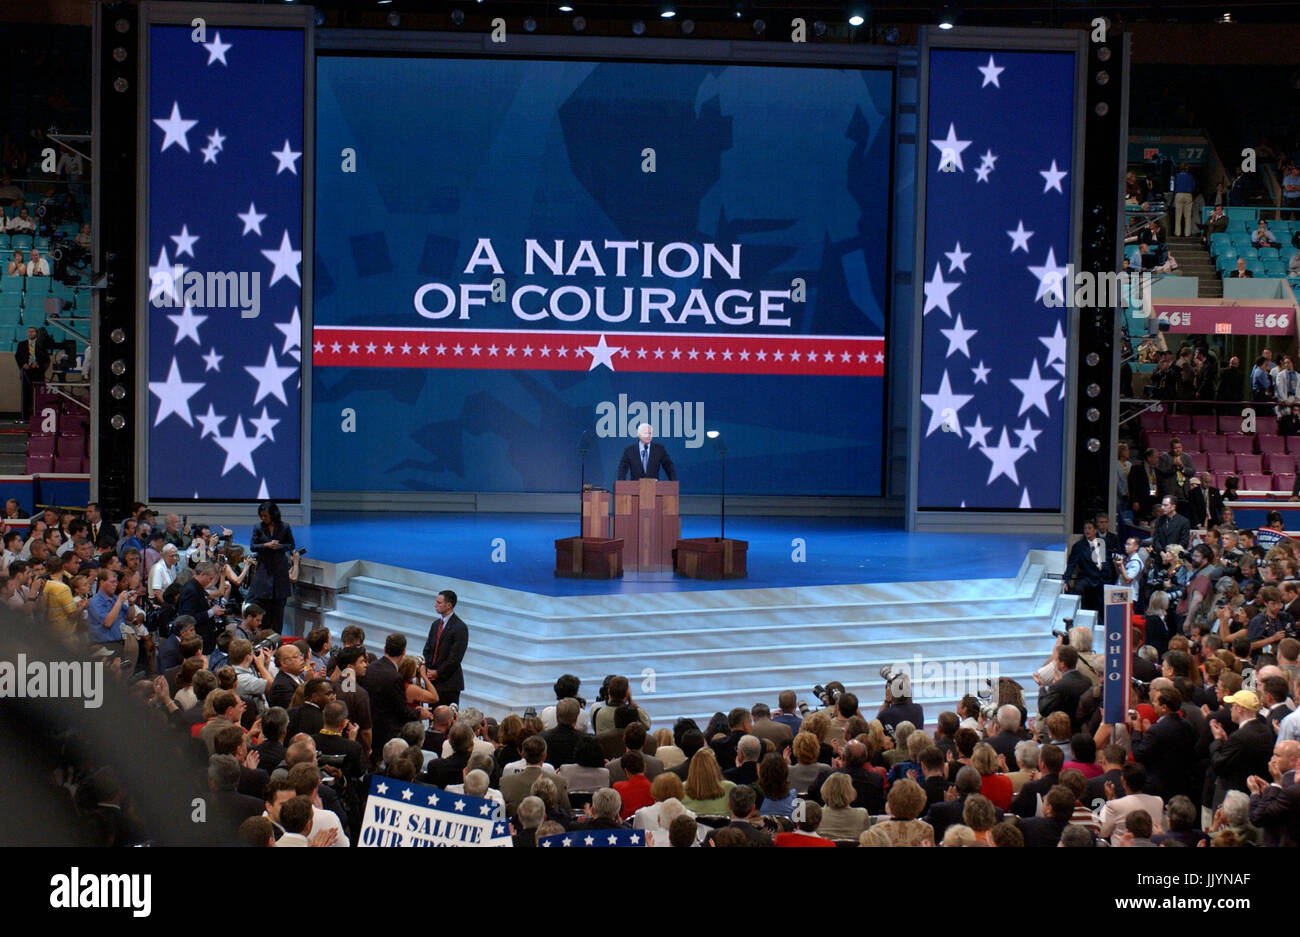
(1159, 441)
(1266, 425)
(1284, 481)
(67, 465)
(1240, 442)
(1220, 479)
(1271, 443)
(1249, 464)
(1152, 422)
(1292, 444)
(1213, 443)
(1178, 423)
(1230, 424)
(1222, 462)
(41, 445)
(38, 464)
(1205, 424)
(1191, 442)
(1257, 482)
(1280, 464)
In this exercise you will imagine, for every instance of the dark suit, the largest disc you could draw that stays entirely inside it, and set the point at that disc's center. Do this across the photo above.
(103, 530)
(1042, 831)
(561, 745)
(1171, 529)
(281, 690)
(945, 813)
(1244, 753)
(1025, 804)
(1063, 696)
(354, 764)
(443, 655)
(631, 463)
(449, 770)
(725, 749)
(194, 602)
(746, 773)
(1277, 813)
(388, 709)
(229, 809)
(1084, 576)
(271, 587)
(31, 375)
(307, 718)
(1204, 506)
(1094, 793)
(1004, 743)
(868, 786)
(753, 835)
(1168, 751)
(935, 787)
(252, 781)
(1139, 489)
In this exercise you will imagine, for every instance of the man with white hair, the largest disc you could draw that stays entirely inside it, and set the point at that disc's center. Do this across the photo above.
(163, 573)
(645, 458)
(748, 751)
(1007, 738)
(475, 719)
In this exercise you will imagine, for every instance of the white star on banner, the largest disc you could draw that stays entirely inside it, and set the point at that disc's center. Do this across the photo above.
(286, 159)
(263, 494)
(957, 258)
(1004, 457)
(958, 338)
(286, 261)
(213, 361)
(588, 840)
(944, 406)
(187, 325)
(991, 73)
(381, 788)
(184, 241)
(175, 128)
(1055, 345)
(460, 805)
(982, 173)
(950, 149)
(239, 448)
(217, 139)
(292, 332)
(978, 433)
(1024, 499)
(210, 421)
(270, 378)
(264, 425)
(217, 50)
(1027, 435)
(163, 278)
(601, 354)
(981, 374)
(210, 154)
(1051, 279)
(1033, 390)
(937, 291)
(1052, 178)
(1020, 237)
(407, 794)
(988, 159)
(174, 395)
(251, 219)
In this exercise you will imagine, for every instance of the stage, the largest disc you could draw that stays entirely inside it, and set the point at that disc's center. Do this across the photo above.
(835, 551)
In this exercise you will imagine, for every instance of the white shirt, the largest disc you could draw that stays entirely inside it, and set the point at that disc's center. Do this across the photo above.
(292, 839)
(1287, 383)
(549, 721)
(161, 576)
(1289, 729)
(1112, 815)
(322, 819)
(38, 268)
(17, 223)
(493, 794)
(1098, 550)
(480, 745)
(517, 767)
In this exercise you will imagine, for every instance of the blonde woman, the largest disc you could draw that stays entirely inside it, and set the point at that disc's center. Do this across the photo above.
(418, 691)
(666, 751)
(665, 787)
(807, 771)
(706, 791)
(840, 819)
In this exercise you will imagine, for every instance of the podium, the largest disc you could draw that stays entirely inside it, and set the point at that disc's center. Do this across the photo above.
(646, 519)
(595, 513)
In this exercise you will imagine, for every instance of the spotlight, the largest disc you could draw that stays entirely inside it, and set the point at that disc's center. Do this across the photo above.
(579, 23)
(119, 54)
(1093, 359)
(120, 85)
(122, 26)
(566, 7)
(1093, 414)
(688, 27)
(1093, 390)
(1103, 54)
(117, 336)
(760, 27)
(118, 421)
(530, 25)
(118, 392)
(1102, 109)
(667, 11)
(118, 367)
(949, 15)
(638, 27)
(457, 17)
(1226, 18)
(1103, 77)
(857, 14)
(1094, 445)
(741, 9)
(394, 19)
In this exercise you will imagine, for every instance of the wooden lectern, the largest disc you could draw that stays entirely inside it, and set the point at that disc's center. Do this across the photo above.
(595, 512)
(646, 519)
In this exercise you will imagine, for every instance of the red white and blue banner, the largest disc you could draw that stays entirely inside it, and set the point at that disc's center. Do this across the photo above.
(1118, 619)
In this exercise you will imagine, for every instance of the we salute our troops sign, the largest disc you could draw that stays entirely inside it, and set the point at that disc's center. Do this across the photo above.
(404, 813)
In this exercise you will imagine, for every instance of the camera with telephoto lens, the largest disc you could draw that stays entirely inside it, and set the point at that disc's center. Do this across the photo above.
(988, 705)
(530, 712)
(270, 643)
(1064, 636)
(828, 697)
(323, 761)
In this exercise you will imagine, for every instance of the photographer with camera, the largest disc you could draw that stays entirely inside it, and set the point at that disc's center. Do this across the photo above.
(252, 674)
(196, 602)
(898, 706)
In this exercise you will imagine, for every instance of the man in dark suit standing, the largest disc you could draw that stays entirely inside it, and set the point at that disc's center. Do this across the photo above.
(1144, 486)
(1167, 749)
(33, 359)
(1204, 503)
(388, 708)
(645, 458)
(1088, 567)
(291, 664)
(445, 648)
(1064, 693)
(99, 529)
(194, 602)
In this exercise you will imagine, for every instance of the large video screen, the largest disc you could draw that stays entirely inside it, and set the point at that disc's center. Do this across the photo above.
(511, 254)
(999, 178)
(225, 259)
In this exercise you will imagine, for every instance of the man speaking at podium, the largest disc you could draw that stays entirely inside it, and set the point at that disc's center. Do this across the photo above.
(644, 459)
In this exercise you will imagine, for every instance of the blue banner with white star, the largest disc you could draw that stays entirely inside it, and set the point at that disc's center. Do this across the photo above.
(226, 127)
(512, 252)
(997, 241)
(406, 813)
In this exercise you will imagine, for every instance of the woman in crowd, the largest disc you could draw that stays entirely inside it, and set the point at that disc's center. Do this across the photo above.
(774, 784)
(272, 541)
(589, 773)
(16, 266)
(840, 819)
(706, 791)
(905, 802)
(236, 572)
(996, 787)
(418, 691)
(667, 750)
(666, 786)
(807, 772)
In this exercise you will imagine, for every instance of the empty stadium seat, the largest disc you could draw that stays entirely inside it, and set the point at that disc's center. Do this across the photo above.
(1240, 442)
(1213, 444)
(1230, 424)
(1280, 464)
(1158, 441)
(70, 465)
(1266, 425)
(36, 464)
(1271, 443)
(1284, 482)
(1249, 464)
(20, 242)
(1268, 253)
(1221, 462)
(1178, 423)
(42, 445)
(1205, 424)
(1152, 422)
(38, 286)
(1252, 482)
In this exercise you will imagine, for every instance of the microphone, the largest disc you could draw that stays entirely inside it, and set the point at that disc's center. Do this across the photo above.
(584, 442)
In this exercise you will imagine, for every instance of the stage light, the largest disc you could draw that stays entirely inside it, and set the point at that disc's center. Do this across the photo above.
(118, 367)
(1094, 445)
(119, 54)
(120, 85)
(857, 14)
(949, 16)
(1093, 390)
(688, 27)
(566, 7)
(1103, 54)
(530, 25)
(118, 421)
(760, 27)
(394, 20)
(1226, 18)
(667, 11)
(457, 17)
(1102, 77)
(638, 27)
(118, 392)
(122, 26)
(741, 9)
(579, 23)
(1093, 414)
(1093, 359)
(713, 434)
(1102, 109)
(117, 336)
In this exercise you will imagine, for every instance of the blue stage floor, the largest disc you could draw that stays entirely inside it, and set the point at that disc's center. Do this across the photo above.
(838, 551)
